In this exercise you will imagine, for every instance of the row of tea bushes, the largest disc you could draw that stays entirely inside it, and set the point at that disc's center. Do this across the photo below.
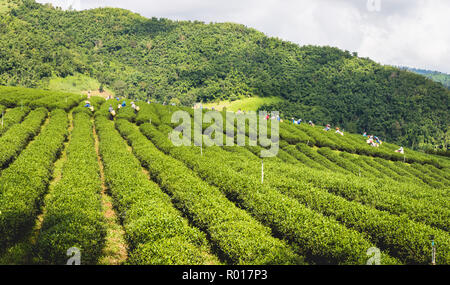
(238, 236)
(73, 216)
(156, 232)
(18, 136)
(320, 238)
(403, 238)
(24, 183)
(12, 117)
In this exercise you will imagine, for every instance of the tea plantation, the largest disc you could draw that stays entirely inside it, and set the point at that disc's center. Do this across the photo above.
(118, 190)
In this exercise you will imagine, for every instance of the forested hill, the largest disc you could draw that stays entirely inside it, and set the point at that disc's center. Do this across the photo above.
(188, 62)
(433, 75)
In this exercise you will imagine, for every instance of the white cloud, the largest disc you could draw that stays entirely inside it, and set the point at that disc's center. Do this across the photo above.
(404, 32)
(421, 39)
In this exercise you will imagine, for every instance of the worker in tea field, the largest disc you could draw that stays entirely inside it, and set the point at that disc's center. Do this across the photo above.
(400, 150)
(124, 104)
(371, 142)
(89, 106)
(338, 131)
(135, 107)
(112, 113)
(378, 140)
(327, 128)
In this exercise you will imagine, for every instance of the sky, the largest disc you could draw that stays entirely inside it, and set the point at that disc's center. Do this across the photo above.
(412, 33)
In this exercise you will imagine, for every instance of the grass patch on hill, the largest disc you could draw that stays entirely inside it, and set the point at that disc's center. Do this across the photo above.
(78, 83)
(247, 104)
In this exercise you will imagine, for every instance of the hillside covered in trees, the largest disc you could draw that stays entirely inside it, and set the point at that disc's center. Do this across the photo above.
(433, 75)
(187, 62)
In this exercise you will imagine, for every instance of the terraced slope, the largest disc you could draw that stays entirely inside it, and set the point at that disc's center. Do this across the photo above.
(323, 199)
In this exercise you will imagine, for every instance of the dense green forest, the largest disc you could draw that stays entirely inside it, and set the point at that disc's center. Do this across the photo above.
(187, 62)
(433, 75)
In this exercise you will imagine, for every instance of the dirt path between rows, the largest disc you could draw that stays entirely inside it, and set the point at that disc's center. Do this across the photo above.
(115, 250)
